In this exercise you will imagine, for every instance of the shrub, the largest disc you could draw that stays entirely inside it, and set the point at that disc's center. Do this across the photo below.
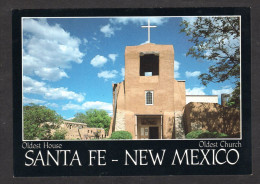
(121, 135)
(205, 134)
(59, 135)
(194, 134)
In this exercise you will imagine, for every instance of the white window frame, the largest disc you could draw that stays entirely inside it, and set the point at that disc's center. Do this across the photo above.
(146, 98)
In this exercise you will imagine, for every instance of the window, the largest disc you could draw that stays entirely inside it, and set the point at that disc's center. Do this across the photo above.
(149, 64)
(148, 97)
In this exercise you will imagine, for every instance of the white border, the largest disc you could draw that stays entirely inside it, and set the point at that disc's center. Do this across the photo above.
(208, 139)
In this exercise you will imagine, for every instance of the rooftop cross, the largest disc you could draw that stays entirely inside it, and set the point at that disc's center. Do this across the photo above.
(148, 28)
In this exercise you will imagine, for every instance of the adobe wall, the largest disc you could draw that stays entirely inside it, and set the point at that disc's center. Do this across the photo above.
(179, 132)
(111, 127)
(179, 95)
(168, 122)
(169, 94)
(118, 118)
(212, 117)
(80, 131)
(130, 123)
(162, 85)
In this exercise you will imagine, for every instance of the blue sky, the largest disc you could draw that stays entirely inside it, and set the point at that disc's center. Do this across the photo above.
(69, 64)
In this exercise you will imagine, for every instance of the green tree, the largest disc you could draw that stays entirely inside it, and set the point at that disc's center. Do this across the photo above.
(35, 120)
(94, 118)
(216, 39)
(80, 117)
(234, 100)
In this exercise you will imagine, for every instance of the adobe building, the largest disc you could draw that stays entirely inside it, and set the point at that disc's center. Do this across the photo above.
(151, 104)
(147, 102)
(80, 131)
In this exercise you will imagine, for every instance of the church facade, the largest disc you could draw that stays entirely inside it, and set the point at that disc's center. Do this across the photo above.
(151, 104)
(148, 101)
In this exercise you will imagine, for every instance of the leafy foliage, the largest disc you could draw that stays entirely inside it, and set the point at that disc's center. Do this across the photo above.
(94, 118)
(216, 39)
(80, 117)
(59, 134)
(39, 121)
(234, 100)
(121, 135)
(204, 134)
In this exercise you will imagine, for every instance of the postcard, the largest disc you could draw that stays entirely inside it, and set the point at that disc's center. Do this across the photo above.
(132, 92)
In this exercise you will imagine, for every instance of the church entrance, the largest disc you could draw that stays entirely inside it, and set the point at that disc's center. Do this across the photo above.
(153, 133)
(149, 127)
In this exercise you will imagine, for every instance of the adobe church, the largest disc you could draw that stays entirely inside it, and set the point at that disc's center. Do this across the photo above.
(150, 102)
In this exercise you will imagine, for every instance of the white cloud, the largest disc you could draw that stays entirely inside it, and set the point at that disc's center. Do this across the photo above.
(107, 30)
(31, 86)
(63, 93)
(123, 72)
(51, 74)
(221, 91)
(195, 91)
(176, 65)
(107, 74)
(192, 74)
(89, 105)
(98, 61)
(176, 68)
(98, 105)
(85, 41)
(48, 47)
(35, 101)
(52, 105)
(177, 75)
(71, 106)
(113, 57)
(139, 20)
